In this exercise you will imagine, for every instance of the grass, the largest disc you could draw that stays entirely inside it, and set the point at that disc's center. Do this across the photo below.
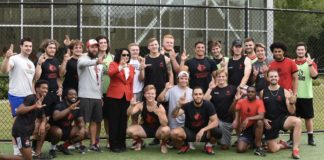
(153, 153)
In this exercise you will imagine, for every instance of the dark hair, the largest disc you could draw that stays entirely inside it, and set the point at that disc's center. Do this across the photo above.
(119, 53)
(199, 42)
(301, 44)
(66, 91)
(272, 70)
(46, 42)
(25, 39)
(40, 82)
(248, 39)
(278, 45)
(197, 87)
(104, 37)
(75, 42)
(251, 87)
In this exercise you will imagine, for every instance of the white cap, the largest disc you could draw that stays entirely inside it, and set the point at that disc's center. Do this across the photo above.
(183, 74)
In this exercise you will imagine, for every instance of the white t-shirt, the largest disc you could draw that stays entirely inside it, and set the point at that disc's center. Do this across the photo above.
(21, 76)
(173, 95)
(137, 84)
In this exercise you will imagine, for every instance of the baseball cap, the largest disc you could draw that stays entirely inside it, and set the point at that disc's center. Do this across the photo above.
(91, 42)
(237, 42)
(183, 74)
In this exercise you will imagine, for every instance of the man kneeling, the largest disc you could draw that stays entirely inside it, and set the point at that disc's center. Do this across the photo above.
(153, 115)
(201, 123)
(62, 127)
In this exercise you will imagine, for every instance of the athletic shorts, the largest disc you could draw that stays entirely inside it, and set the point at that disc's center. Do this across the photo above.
(66, 132)
(15, 102)
(304, 108)
(50, 100)
(150, 132)
(91, 109)
(191, 135)
(248, 135)
(226, 129)
(22, 141)
(276, 126)
(105, 106)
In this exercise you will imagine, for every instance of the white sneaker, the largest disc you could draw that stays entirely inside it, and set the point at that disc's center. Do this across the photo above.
(192, 146)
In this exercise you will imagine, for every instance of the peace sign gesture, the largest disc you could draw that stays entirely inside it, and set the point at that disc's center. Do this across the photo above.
(9, 52)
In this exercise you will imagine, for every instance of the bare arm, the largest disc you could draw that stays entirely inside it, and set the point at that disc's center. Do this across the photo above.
(169, 69)
(247, 71)
(134, 108)
(57, 115)
(290, 101)
(295, 83)
(160, 112)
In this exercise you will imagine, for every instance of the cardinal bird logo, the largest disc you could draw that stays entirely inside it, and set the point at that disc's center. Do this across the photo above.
(197, 116)
(161, 64)
(201, 67)
(150, 119)
(52, 68)
(228, 92)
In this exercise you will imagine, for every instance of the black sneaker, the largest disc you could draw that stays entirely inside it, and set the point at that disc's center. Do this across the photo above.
(311, 143)
(82, 149)
(290, 143)
(52, 153)
(95, 148)
(64, 150)
(155, 141)
(259, 152)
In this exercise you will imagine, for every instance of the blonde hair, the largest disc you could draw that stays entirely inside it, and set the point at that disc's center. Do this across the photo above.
(149, 87)
(132, 44)
(168, 36)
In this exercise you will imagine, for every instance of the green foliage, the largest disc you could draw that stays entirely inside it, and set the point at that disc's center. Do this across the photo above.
(4, 87)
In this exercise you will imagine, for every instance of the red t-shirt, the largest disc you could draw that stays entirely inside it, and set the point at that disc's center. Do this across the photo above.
(249, 109)
(286, 69)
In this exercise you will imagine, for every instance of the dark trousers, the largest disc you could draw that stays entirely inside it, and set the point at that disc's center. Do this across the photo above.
(117, 120)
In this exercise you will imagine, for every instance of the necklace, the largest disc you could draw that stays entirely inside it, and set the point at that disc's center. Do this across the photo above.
(275, 92)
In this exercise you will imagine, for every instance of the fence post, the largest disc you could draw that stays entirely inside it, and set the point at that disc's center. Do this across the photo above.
(246, 20)
(78, 19)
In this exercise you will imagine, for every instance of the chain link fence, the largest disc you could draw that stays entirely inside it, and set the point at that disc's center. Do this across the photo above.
(127, 23)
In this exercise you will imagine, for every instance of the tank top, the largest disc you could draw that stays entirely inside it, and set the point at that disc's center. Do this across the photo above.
(150, 119)
(235, 71)
(275, 103)
(305, 82)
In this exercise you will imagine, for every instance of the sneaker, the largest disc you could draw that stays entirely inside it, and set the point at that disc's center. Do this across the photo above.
(163, 146)
(192, 146)
(295, 154)
(209, 150)
(259, 152)
(107, 145)
(311, 143)
(169, 144)
(284, 144)
(95, 148)
(290, 143)
(41, 157)
(82, 149)
(138, 145)
(52, 153)
(183, 149)
(72, 147)
(64, 150)
(155, 141)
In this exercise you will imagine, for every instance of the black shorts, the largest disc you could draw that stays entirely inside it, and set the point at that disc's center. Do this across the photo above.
(91, 109)
(276, 126)
(304, 108)
(150, 131)
(191, 135)
(22, 141)
(51, 99)
(66, 132)
(105, 107)
(248, 135)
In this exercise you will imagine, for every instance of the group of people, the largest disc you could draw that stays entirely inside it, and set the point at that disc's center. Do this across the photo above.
(168, 97)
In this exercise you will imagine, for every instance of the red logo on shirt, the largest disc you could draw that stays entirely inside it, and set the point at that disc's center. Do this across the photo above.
(201, 67)
(241, 66)
(198, 121)
(150, 119)
(228, 92)
(279, 98)
(161, 64)
(52, 68)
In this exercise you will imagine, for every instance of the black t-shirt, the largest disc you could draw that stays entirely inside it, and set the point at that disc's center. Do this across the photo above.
(200, 72)
(24, 124)
(275, 103)
(235, 71)
(150, 119)
(222, 98)
(50, 73)
(71, 76)
(260, 81)
(198, 117)
(217, 61)
(157, 73)
(175, 75)
(67, 121)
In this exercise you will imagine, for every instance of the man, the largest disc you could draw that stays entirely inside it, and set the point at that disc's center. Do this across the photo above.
(24, 125)
(135, 59)
(90, 70)
(104, 49)
(260, 68)
(280, 105)
(153, 115)
(47, 68)
(217, 56)
(249, 48)
(201, 68)
(307, 71)
(200, 124)
(239, 67)
(249, 114)
(222, 95)
(21, 74)
(67, 124)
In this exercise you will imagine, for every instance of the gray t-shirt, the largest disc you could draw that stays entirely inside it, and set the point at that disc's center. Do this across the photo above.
(260, 81)
(173, 95)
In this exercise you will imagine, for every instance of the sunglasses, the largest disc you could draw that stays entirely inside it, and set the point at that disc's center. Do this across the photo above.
(124, 55)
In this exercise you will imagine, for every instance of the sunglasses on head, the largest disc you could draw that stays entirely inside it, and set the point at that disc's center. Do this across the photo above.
(124, 55)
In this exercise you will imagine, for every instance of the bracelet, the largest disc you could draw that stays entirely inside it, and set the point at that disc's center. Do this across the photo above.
(310, 65)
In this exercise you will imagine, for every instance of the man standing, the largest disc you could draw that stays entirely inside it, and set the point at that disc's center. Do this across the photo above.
(90, 72)
(21, 74)
(217, 56)
(249, 48)
(260, 68)
(280, 105)
(307, 71)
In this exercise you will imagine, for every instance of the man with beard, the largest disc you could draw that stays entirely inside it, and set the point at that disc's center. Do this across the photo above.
(280, 104)
(249, 48)
(67, 123)
(200, 67)
(201, 122)
(216, 51)
(307, 71)
(26, 124)
(90, 71)
(21, 74)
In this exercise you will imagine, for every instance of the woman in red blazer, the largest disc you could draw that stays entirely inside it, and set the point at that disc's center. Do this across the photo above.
(119, 94)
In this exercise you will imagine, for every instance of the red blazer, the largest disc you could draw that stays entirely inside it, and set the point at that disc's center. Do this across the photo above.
(119, 86)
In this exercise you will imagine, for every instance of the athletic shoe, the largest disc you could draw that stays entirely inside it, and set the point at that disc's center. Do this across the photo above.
(138, 145)
(209, 150)
(284, 144)
(64, 150)
(311, 143)
(290, 143)
(295, 154)
(82, 149)
(163, 146)
(192, 146)
(183, 149)
(169, 144)
(259, 152)
(52, 153)
(108, 145)
(95, 148)
(155, 141)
